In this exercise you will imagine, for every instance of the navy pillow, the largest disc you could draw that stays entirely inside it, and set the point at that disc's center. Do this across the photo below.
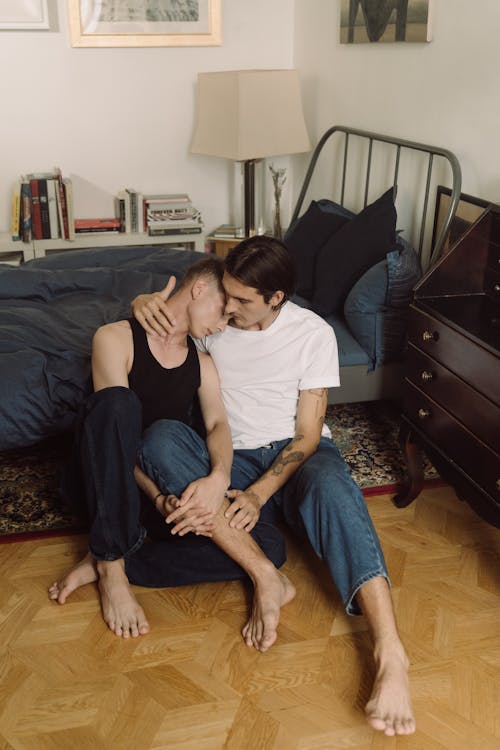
(352, 250)
(335, 208)
(304, 240)
(376, 308)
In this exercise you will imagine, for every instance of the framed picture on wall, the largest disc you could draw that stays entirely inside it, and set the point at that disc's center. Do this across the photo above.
(385, 21)
(29, 14)
(144, 23)
(469, 209)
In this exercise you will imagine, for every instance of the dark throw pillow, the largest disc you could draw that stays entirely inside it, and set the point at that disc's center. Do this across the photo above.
(352, 250)
(304, 240)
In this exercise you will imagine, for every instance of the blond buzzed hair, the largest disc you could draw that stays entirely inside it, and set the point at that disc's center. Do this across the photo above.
(211, 269)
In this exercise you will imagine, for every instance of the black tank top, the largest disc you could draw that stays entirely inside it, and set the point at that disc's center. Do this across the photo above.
(165, 393)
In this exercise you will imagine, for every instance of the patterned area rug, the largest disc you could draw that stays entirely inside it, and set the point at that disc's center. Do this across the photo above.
(366, 434)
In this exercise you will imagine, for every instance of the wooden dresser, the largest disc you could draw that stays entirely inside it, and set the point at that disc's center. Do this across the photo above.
(452, 384)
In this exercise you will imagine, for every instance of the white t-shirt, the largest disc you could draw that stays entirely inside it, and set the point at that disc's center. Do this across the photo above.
(262, 372)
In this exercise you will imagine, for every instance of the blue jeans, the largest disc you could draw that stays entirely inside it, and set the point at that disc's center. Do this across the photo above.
(125, 524)
(320, 501)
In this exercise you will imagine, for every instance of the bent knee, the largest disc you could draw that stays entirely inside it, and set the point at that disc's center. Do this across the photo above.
(165, 437)
(115, 402)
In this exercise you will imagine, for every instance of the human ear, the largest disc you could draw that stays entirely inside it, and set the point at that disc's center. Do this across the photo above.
(198, 288)
(277, 298)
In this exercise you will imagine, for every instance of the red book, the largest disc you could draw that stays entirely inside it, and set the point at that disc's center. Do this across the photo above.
(36, 213)
(97, 225)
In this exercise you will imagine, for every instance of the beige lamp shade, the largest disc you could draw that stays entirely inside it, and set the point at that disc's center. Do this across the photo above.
(249, 114)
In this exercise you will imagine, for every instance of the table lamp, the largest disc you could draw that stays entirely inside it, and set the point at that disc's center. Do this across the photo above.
(247, 115)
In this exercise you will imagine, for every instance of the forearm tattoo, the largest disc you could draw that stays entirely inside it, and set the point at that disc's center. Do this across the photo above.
(322, 396)
(287, 456)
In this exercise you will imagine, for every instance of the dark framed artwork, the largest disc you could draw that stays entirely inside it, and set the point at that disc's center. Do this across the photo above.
(385, 21)
(469, 209)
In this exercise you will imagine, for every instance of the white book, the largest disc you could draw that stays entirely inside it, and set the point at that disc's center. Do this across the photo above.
(140, 213)
(68, 191)
(53, 212)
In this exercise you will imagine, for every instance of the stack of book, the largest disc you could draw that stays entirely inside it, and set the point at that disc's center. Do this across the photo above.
(227, 231)
(87, 226)
(170, 214)
(163, 214)
(42, 207)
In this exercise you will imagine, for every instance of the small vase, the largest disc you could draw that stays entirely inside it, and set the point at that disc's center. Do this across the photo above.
(277, 221)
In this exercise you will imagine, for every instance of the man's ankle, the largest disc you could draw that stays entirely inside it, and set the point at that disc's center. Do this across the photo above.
(111, 567)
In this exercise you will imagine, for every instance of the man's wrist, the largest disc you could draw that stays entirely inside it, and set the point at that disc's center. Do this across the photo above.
(259, 497)
(221, 476)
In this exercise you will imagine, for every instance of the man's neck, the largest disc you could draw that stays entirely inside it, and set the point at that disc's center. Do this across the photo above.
(261, 325)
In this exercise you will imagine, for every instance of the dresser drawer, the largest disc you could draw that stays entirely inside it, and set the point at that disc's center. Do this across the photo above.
(472, 456)
(471, 362)
(478, 413)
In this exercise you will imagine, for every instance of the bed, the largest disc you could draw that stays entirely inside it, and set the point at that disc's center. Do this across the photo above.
(50, 307)
(362, 233)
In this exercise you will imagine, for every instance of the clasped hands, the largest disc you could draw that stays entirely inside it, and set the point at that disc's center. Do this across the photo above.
(202, 502)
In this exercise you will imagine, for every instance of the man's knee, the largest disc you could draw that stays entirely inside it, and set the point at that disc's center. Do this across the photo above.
(174, 451)
(165, 435)
(113, 404)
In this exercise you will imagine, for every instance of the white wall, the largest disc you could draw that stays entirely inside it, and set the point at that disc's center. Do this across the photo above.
(123, 117)
(112, 118)
(445, 92)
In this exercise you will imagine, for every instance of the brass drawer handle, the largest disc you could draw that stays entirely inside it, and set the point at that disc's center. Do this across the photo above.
(430, 336)
(498, 484)
(426, 376)
(496, 288)
(423, 413)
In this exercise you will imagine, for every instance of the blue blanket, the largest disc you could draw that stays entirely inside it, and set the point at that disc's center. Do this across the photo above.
(49, 311)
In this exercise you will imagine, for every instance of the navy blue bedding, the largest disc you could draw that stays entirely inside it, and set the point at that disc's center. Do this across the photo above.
(49, 311)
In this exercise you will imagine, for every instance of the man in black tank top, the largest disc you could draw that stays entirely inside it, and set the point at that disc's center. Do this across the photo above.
(140, 379)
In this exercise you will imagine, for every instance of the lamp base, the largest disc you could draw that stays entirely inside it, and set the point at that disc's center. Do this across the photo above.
(249, 197)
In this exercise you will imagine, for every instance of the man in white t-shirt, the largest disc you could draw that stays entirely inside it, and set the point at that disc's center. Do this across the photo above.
(276, 362)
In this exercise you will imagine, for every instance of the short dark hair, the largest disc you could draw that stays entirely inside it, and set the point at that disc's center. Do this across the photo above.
(263, 263)
(211, 269)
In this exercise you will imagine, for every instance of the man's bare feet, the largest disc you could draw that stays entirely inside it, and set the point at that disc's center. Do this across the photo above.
(271, 592)
(83, 573)
(120, 609)
(389, 709)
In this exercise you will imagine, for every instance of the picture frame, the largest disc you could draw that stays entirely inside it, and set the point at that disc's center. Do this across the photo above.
(144, 23)
(366, 21)
(469, 209)
(30, 14)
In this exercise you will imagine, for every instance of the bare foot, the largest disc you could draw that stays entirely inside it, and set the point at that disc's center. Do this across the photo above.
(83, 573)
(120, 609)
(272, 592)
(389, 709)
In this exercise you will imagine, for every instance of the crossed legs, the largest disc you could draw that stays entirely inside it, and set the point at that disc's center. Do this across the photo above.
(188, 459)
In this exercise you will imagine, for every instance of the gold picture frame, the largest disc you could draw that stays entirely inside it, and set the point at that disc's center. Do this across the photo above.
(192, 23)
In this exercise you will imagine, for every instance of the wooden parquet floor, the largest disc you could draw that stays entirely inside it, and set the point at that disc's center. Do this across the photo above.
(67, 683)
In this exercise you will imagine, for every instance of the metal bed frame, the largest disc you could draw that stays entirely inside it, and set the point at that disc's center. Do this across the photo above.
(385, 381)
(399, 144)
